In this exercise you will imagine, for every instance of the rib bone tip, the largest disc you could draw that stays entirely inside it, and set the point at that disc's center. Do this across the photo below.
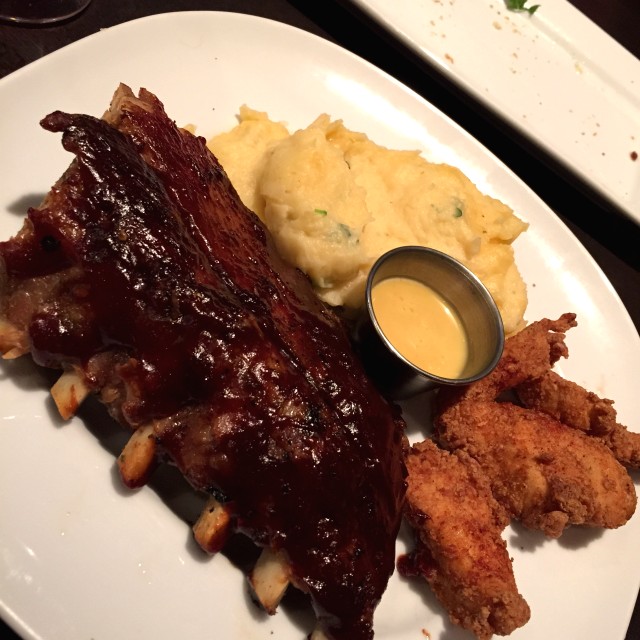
(137, 459)
(270, 579)
(68, 393)
(213, 527)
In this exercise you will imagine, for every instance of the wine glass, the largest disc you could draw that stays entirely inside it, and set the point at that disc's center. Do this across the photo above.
(40, 11)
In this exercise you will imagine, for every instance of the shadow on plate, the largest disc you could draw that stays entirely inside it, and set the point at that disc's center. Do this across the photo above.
(574, 537)
(21, 206)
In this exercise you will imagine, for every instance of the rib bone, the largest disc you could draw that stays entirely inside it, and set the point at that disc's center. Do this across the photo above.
(270, 579)
(68, 393)
(13, 341)
(213, 526)
(138, 457)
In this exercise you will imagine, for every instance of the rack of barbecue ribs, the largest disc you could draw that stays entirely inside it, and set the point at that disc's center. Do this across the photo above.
(148, 283)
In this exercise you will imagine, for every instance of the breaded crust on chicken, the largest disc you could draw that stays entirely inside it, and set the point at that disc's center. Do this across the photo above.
(544, 473)
(459, 549)
(584, 410)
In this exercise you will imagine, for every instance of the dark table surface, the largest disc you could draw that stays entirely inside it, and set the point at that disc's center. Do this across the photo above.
(613, 245)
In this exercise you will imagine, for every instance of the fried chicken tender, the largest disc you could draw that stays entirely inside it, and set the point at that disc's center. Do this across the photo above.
(580, 409)
(528, 354)
(459, 548)
(544, 473)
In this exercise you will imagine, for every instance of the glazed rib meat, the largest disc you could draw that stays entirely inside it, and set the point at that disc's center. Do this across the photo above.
(144, 274)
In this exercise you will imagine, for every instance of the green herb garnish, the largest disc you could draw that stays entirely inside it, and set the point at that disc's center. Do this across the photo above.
(518, 5)
(320, 212)
(457, 213)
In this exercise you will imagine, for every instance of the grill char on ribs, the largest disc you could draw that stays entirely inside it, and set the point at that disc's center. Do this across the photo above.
(143, 270)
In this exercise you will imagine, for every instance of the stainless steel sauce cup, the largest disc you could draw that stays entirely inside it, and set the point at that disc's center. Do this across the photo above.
(396, 376)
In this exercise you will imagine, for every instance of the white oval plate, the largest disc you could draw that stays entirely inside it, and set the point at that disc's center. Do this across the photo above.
(82, 558)
(555, 76)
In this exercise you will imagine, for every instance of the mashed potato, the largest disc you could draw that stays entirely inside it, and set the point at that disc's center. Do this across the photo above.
(335, 201)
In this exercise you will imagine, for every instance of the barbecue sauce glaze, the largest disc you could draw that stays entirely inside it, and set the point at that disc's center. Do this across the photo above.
(172, 300)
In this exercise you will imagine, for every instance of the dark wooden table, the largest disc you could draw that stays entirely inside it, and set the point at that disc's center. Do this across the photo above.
(614, 246)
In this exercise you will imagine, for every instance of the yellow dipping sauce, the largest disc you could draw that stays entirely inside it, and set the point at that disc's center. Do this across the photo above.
(421, 326)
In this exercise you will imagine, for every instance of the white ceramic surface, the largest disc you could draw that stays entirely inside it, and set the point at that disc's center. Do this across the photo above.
(555, 76)
(82, 558)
